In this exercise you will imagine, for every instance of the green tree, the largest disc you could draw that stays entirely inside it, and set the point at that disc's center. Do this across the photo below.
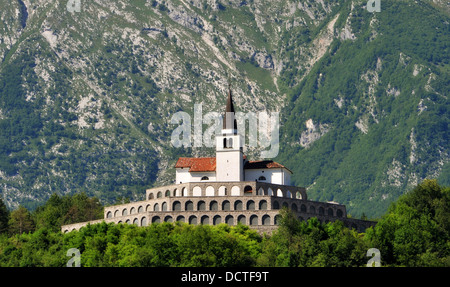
(4, 217)
(416, 230)
(20, 221)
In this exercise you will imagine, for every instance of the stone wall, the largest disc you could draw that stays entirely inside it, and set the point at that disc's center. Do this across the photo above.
(254, 203)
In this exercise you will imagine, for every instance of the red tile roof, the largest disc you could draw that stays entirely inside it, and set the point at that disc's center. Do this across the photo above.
(264, 164)
(197, 164)
(203, 164)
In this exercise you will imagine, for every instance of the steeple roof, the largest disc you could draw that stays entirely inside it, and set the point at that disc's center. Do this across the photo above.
(227, 121)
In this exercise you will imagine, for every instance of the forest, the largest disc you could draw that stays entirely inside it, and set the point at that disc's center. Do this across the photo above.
(414, 232)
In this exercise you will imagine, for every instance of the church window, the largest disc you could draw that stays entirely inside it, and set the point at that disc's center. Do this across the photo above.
(262, 178)
(228, 142)
(205, 178)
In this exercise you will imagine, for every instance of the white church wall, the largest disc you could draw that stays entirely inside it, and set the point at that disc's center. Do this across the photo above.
(275, 176)
(182, 175)
(197, 176)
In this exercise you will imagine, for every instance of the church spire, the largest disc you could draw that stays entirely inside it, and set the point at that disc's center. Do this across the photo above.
(229, 120)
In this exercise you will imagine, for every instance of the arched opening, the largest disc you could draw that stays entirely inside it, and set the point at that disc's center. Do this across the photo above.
(151, 196)
(321, 211)
(136, 221)
(168, 218)
(193, 219)
(312, 210)
(339, 213)
(238, 205)
(330, 212)
(303, 208)
(204, 219)
(262, 178)
(155, 219)
(279, 193)
(204, 178)
(140, 209)
(132, 210)
(260, 191)
(116, 213)
(189, 206)
(241, 219)
(180, 218)
(217, 220)
(164, 206)
(167, 194)
(159, 194)
(222, 191)
(124, 212)
(213, 205)
(197, 191)
(266, 220)
(253, 220)
(226, 205)
(176, 206)
(235, 191)
(276, 205)
(250, 205)
(229, 220)
(248, 189)
(144, 221)
(263, 205)
(156, 207)
(201, 205)
(109, 214)
(209, 191)
(294, 207)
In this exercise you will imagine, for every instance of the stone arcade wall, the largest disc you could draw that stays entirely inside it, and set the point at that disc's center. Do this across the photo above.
(255, 204)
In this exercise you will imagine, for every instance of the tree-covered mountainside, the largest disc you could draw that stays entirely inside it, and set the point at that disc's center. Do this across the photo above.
(415, 232)
(86, 96)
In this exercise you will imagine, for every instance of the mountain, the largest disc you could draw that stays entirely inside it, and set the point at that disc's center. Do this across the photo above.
(88, 89)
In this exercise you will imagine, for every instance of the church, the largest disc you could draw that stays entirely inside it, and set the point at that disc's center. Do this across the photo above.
(227, 188)
(230, 163)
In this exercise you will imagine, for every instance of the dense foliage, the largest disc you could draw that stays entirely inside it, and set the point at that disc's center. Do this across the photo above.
(415, 232)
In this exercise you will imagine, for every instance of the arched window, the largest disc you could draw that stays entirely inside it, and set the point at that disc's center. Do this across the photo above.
(201, 205)
(226, 205)
(205, 178)
(176, 206)
(261, 178)
(266, 220)
(213, 205)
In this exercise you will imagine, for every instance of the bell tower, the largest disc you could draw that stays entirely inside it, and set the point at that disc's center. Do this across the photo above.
(229, 151)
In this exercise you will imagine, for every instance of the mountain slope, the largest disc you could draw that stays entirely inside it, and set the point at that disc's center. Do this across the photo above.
(87, 97)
